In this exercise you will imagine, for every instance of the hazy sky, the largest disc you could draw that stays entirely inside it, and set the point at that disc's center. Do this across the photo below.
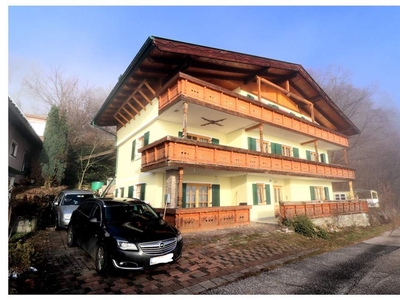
(97, 43)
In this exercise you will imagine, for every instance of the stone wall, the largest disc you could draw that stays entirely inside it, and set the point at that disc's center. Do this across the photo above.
(361, 219)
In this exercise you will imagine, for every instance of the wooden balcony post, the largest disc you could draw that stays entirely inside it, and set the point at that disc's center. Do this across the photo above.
(262, 137)
(351, 190)
(316, 150)
(346, 160)
(180, 187)
(259, 88)
(184, 123)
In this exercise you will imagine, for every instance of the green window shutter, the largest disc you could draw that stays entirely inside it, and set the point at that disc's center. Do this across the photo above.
(296, 152)
(215, 141)
(255, 196)
(146, 138)
(122, 192)
(250, 97)
(116, 192)
(312, 193)
(180, 134)
(183, 195)
(215, 194)
(133, 150)
(276, 148)
(268, 194)
(323, 158)
(308, 154)
(130, 191)
(326, 190)
(252, 143)
(142, 191)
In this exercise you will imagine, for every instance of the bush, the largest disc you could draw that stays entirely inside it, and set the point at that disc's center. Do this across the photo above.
(303, 225)
(20, 255)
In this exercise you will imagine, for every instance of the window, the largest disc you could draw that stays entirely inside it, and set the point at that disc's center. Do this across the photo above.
(311, 155)
(14, 149)
(261, 194)
(197, 195)
(286, 151)
(140, 191)
(319, 193)
(139, 143)
(278, 194)
(122, 192)
(197, 137)
(265, 146)
(340, 197)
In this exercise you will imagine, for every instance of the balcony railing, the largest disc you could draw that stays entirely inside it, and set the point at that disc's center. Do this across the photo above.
(315, 209)
(234, 103)
(174, 151)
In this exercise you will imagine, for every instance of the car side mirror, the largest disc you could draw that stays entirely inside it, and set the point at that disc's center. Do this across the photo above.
(94, 220)
(161, 215)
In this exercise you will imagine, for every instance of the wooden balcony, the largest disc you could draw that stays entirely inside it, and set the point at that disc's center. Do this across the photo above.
(233, 103)
(207, 218)
(178, 152)
(314, 209)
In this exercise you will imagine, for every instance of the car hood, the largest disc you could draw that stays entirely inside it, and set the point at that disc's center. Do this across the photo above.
(142, 231)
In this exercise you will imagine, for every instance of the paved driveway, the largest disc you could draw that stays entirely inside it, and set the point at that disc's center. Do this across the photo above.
(206, 263)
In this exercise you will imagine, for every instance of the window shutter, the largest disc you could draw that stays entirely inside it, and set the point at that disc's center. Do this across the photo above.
(252, 143)
(323, 158)
(142, 191)
(180, 134)
(183, 195)
(255, 196)
(215, 141)
(268, 194)
(130, 191)
(146, 138)
(122, 192)
(116, 192)
(215, 194)
(326, 190)
(308, 154)
(276, 148)
(133, 150)
(296, 152)
(312, 193)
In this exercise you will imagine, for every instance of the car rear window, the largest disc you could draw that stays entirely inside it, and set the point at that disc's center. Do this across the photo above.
(76, 199)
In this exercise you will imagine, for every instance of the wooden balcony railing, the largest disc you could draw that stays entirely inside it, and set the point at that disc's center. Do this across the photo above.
(174, 151)
(314, 209)
(234, 103)
(207, 218)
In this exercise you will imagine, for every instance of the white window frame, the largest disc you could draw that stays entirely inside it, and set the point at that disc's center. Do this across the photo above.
(14, 149)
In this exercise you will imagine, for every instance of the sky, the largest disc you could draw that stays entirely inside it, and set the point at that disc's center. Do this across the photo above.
(96, 42)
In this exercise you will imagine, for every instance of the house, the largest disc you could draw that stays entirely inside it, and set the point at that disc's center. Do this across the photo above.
(218, 137)
(24, 146)
(38, 123)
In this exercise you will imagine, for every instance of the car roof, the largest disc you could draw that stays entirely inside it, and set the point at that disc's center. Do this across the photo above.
(117, 201)
(77, 192)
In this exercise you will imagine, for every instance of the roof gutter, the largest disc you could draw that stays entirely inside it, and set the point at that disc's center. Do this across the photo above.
(140, 56)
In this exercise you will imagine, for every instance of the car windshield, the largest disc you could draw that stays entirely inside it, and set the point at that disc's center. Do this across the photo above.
(129, 213)
(76, 199)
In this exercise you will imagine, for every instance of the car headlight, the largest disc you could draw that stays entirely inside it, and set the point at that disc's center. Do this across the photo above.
(67, 216)
(125, 245)
(179, 237)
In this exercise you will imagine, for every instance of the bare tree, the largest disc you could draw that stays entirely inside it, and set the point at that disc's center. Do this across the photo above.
(374, 152)
(79, 103)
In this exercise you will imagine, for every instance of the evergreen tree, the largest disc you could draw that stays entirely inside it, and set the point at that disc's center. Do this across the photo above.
(53, 158)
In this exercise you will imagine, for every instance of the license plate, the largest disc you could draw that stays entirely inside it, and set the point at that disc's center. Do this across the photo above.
(161, 259)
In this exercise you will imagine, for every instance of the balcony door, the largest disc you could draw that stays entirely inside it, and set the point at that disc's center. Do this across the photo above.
(277, 198)
(197, 195)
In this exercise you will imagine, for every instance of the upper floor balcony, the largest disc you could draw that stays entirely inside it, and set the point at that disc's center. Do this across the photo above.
(189, 89)
(173, 152)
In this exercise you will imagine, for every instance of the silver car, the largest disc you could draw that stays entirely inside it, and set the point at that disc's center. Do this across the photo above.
(65, 203)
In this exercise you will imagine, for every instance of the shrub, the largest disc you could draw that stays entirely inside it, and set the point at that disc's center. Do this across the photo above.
(20, 254)
(303, 225)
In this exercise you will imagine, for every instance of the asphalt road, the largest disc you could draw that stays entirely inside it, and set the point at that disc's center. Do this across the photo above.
(368, 268)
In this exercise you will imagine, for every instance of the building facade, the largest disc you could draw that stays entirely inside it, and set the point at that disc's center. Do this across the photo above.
(199, 127)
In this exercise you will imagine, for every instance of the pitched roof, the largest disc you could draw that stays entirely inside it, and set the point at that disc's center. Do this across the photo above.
(159, 59)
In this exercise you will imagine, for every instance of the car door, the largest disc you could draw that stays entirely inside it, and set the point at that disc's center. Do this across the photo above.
(91, 231)
(81, 218)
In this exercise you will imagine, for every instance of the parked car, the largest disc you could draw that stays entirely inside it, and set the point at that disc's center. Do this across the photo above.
(65, 203)
(123, 234)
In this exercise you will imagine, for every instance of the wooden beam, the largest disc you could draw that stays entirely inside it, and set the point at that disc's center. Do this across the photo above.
(316, 151)
(309, 142)
(184, 120)
(116, 118)
(262, 138)
(129, 113)
(150, 89)
(145, 97)
(138, 102)
(127, 121)
(253, 127)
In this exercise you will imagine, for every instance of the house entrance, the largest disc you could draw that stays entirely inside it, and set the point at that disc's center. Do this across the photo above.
(277, 199)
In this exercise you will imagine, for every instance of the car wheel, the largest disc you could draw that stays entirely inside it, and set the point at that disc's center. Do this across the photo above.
(101, 260)
(70, 237)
